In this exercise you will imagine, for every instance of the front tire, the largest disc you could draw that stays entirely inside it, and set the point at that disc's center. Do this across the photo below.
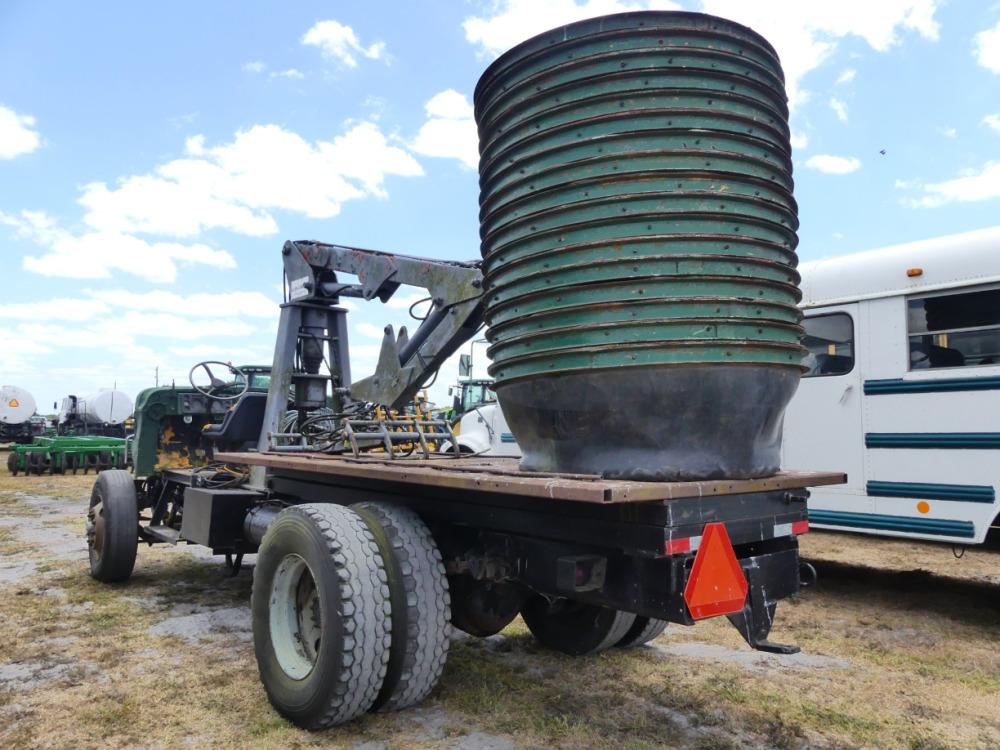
(573, 627)
(321, 615)
(113, 527)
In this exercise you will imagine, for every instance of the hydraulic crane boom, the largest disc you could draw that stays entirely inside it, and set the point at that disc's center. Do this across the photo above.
(313, 327)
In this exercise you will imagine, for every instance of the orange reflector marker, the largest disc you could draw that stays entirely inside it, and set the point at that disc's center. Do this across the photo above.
(717, 585)
(914, 272)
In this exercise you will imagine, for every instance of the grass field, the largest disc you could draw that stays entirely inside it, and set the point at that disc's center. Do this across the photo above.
(899, 649)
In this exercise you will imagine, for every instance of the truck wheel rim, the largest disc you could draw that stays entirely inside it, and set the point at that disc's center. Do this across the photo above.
(295, 618)
(95, 529)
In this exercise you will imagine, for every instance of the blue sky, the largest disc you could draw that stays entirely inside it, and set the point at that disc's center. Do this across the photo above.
(154, 157)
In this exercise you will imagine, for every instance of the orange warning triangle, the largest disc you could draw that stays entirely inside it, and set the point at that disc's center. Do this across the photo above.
(716, 585)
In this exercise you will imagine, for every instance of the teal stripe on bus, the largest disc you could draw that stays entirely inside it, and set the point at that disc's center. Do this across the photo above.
(969, 493)
(932, 526)
(945, 385)
(982, 440)
(507, 437)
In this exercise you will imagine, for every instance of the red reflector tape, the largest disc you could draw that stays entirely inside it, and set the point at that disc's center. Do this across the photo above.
(716, 585)
(800, 527)
(682, 545)
(678, 546)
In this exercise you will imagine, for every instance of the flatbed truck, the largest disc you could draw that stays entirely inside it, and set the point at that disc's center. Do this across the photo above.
(366, 558)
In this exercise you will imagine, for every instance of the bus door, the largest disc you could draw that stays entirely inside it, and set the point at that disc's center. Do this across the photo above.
(823, 424)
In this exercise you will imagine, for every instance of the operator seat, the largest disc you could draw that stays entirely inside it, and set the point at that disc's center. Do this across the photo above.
(242, 423)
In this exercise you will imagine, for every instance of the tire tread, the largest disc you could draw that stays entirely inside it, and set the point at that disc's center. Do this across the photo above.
(428, 615)
(642, 632)
(116, 489)
(364, 609)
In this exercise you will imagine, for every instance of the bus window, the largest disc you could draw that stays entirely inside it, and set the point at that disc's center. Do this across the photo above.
(829, 340)
(954, 330)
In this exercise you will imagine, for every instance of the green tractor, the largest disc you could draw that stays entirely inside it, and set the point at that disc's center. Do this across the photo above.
(171, 422)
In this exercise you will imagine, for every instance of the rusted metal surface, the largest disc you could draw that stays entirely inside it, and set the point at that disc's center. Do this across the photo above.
(501, 475)
(405, 360)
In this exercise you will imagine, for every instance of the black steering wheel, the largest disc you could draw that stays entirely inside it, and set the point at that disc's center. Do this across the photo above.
(216, 385)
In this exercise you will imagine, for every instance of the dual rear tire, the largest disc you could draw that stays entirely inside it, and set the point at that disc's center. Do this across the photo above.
(350, 612)
(579, 629)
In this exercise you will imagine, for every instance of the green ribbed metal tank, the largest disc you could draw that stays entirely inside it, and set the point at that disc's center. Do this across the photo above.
(638, 239)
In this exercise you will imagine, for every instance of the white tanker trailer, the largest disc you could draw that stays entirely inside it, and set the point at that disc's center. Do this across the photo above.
(17, 407)
(103, 413)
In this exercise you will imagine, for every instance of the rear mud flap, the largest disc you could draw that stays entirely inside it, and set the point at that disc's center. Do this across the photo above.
(770, 578)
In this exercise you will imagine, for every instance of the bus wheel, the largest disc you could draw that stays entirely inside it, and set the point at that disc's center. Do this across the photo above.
(421, 607)
(643, 630)
(321, 615)
(573, 627)
(113, 527)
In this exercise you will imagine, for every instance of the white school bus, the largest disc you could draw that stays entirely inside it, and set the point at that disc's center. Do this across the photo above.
(903, 389)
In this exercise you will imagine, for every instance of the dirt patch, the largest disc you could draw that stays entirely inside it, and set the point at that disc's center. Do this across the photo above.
(198, 626)
(756, 660)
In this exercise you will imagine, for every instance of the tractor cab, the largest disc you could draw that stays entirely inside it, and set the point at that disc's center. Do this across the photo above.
(259, 377)
(180, 427)
(472, 393)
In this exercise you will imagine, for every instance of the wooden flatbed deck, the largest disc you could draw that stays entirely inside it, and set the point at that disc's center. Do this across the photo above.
(501, 475)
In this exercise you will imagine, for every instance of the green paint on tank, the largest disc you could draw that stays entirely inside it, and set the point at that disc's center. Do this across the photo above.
(636, 203)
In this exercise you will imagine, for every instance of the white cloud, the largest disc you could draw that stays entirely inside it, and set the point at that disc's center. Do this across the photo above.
(986, 48)
(406, 301)
(238, 355)
(450, 130)
(971, 186)
(119, 324)
(992, 122)
(254, 66)
(235, 186)
(216, 304)
(339, 42)
(55, 309)
(805, 33)
(195, 145)
(839, 108)
(17, 134)
(370, 330)
(291, 73)
(94, 254)
(949, 132)
(833, 164)
(799, 140)
(513, 21)
(846, 77)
